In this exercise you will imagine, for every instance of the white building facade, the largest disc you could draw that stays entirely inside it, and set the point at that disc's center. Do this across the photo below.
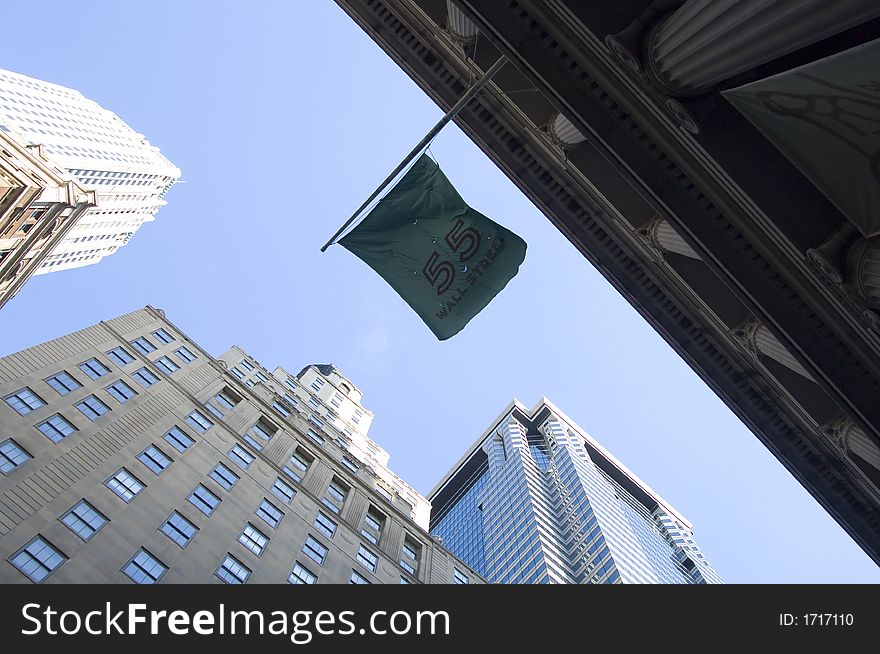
(331, 405)
(104, 154)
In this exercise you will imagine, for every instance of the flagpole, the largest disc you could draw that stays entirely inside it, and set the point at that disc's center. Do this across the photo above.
(458, 106)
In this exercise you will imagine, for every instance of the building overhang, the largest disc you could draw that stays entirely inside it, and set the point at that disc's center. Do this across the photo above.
(795, 357)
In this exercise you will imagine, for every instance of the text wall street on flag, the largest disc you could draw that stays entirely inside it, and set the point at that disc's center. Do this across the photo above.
(446, 260)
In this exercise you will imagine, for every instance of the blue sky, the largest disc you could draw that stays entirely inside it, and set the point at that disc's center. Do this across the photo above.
(283, 117)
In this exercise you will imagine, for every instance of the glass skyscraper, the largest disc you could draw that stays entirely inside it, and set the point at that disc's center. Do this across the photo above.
(537, 500)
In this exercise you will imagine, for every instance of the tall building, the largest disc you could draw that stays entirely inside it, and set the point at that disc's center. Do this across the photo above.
(129, 176)
(537, 500)
(129, 454)
(716, 162)
(39, 205)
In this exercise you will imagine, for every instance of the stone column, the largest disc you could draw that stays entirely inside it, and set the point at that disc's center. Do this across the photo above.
(459, 25)
(564, 133)
(863, 271)
(759, 339)
(707, 41)
(663, 237)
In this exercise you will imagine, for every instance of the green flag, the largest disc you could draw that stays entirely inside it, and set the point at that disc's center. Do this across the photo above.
(446, 260)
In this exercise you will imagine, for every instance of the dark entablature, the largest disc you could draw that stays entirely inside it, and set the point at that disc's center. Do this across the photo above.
(663, 185)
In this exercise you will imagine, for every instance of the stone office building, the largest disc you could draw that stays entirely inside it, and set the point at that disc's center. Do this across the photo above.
(129, 454)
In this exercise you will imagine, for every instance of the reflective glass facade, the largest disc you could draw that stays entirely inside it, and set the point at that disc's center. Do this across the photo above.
(538, 501)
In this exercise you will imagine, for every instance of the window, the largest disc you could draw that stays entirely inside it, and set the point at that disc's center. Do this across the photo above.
(384, 492)
(163, 336)
(459, 577)
(154, 459)
(225, 399)
(318, 423)
(290, 399)
(260, 434)
(409, 558)
(404, 580)
(198, 421)
(233, 571)
(56, 428)
(179, 529)
(177, 439)
(119, 356)
(356, 416)
(280, 408)
(325, 525)
(336, 400)
(298, 465)
(224, 476)
(120, 391)
(314, 403)
(11, 456)
(373, 523)
(238, 373)
(358, 578)
(63, 383)
(299, 575)
(38, 559)
(92, 408)
(144, 377)
(249, 383)
(253, 539)
(315, 550)
(240, 456)
(351, 465)
(246, 365)
(24, 401)
(262, 377)
(84, 520)
(282, 491)
(185, 355)
(93, 368)
(204, 500)
(270, 513)
(144, 568)
(335, 496)
(125, 485)
(142, 345)
(317, 384)
(367, 559)
(166, 364)
(501, 449)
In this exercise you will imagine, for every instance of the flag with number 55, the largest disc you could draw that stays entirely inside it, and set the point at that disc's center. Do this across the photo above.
(446, 260)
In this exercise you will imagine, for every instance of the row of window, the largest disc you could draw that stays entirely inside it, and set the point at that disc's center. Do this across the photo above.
(39, 558)
(57, 427)
(260, 434)
(84, 520)
(25, 400)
